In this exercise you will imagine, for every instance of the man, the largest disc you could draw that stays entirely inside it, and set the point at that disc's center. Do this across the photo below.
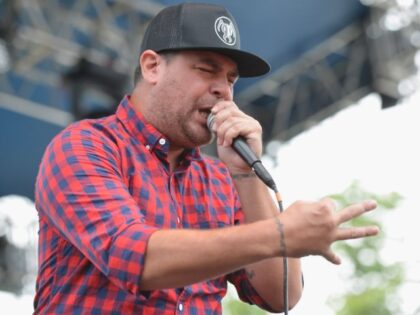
(135, 220)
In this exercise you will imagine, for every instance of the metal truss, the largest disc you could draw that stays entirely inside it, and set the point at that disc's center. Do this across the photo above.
(364, 57)
(320, 83)
(63, 31)
(51, 36)
(46, 38)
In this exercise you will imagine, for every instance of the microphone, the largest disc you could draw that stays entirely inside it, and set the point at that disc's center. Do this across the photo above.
(241, 147)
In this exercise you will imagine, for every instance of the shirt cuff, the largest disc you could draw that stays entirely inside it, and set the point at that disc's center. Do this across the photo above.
(127, 256)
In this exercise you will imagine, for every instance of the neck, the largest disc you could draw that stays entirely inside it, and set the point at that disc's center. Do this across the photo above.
(140, 102)
(174, 156)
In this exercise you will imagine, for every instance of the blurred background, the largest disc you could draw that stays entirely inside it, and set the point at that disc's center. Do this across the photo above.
(339, 111)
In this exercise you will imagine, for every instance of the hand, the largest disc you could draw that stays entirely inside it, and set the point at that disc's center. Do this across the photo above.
(229, 123)
(314, 226)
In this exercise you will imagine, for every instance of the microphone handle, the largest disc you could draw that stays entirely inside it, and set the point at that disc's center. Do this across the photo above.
(241, 147)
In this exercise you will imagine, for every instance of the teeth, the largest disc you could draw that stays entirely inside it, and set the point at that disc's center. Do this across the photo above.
(203, 113)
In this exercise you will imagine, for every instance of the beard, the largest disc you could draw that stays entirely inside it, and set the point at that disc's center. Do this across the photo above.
(178, 118)
(195, 134)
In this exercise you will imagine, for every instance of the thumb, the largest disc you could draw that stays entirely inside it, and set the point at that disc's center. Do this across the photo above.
(332, 257)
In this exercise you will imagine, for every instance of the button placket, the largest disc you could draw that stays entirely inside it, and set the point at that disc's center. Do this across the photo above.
(181, 304)
(173, 192)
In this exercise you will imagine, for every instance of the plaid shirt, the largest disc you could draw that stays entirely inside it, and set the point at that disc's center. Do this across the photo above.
(103, 188)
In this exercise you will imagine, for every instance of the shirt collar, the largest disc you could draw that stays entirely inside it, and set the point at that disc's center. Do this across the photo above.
(145, 132)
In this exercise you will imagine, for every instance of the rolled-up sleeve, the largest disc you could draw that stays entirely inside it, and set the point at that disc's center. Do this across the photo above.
(81, 193)
(246, 291)
(239, 279)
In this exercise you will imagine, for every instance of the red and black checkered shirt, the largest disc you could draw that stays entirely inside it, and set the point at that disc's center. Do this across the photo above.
(103, 188)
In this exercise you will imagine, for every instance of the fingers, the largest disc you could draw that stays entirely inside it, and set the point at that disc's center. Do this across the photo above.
(231, 128)
(359, 232)
(332, 257)
(355, 210)
(351, 212)
(349, 233)
(321, 225)
(231, 122)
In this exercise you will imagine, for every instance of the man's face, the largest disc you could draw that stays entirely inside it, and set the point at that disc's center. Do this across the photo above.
(190, 84)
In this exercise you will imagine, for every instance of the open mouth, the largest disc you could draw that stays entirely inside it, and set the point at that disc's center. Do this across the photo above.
(204, 113)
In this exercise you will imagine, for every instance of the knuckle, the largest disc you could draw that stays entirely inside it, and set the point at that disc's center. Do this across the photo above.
(327, 204)
(233, 129)
(257, 124)
(358, 209)
(299, 204)
(330, 222)
(354, 233)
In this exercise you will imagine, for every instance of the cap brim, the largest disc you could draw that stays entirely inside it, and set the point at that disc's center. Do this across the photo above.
(249, 65)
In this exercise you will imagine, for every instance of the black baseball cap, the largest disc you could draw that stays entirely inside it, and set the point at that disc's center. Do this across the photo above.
(199, 26)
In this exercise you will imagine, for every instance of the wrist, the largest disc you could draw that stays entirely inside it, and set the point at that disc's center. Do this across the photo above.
(243, 175)
(245, 171)
(281, 236)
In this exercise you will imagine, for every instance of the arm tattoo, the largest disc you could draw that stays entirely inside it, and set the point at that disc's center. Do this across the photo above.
(243, 175)
(250, 274)
(280, 228)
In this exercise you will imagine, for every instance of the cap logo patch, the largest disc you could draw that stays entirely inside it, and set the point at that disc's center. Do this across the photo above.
(225, 30)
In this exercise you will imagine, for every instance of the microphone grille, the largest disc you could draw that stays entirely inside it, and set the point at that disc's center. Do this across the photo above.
(210, 121)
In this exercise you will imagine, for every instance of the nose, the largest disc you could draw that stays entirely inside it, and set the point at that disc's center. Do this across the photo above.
(222, 89)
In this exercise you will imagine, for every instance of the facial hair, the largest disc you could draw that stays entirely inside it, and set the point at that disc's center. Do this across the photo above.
(174, 115)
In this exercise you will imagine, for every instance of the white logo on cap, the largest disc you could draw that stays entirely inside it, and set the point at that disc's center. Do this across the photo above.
(225, 30)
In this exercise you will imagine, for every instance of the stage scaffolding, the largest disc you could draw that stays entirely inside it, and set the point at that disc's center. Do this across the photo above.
(43, 40)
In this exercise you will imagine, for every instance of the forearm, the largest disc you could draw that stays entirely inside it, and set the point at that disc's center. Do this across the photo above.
(267, 279)
(176, 258)
(256, 201)
(267, 276)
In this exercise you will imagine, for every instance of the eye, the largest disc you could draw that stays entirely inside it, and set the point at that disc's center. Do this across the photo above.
(208, 70)
(233, 79)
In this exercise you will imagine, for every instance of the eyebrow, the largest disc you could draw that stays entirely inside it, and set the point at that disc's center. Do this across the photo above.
(216, 66)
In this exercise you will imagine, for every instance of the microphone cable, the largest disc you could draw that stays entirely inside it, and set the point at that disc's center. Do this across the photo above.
(241, 147)
(268, 180)
(285, 262)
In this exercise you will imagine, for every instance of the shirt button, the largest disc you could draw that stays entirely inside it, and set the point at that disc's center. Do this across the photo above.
(162, 141)
(148, 147)
(180, 307)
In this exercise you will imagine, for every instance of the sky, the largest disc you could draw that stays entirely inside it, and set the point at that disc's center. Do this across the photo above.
(378, 148)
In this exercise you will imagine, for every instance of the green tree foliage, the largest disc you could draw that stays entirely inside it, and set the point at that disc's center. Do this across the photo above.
(236, 307)
(372, 284)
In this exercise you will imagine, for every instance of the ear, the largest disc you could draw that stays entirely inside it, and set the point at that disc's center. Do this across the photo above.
(149, 62)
